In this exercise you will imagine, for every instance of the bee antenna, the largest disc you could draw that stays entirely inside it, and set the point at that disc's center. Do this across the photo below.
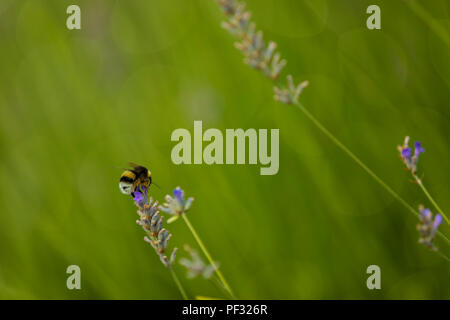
(117, 167)
(156, 185)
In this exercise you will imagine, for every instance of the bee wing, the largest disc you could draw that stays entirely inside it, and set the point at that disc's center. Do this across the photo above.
(134, 165)
(116, 167)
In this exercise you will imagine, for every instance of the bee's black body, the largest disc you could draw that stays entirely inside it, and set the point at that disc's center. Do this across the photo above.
(132, 179)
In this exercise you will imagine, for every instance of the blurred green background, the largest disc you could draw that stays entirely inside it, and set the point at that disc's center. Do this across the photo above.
(75, 104)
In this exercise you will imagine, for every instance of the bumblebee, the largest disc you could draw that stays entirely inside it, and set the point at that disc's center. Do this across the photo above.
(132, 179)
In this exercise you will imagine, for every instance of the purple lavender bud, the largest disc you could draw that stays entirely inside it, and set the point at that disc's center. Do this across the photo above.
(164, 261)
(425, 213)
(406, 153)
(176, 205)
(418, 149)
(173, 256)
(138, 196)
(428, 227)
(437, 221)
(178, 194)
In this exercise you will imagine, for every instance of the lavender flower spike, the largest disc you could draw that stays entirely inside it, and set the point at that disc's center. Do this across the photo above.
(291, 93)
(409, 158)
(176, 205)
(428, 227)
(151, 221)
(258, 53)
(196, 266)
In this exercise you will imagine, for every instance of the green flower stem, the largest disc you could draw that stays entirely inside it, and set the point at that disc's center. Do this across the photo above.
(177, 281)
(208, 256)
(432, 23)
(355, 158)
(338, 143)
(443, 236)
(443, 256)
(218, 284)
(419, 182)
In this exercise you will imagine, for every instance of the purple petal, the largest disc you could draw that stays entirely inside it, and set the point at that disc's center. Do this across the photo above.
(406, 153)
(178, 193)
(437, 221)
(138, 196)
(425, 213)
(418, 148)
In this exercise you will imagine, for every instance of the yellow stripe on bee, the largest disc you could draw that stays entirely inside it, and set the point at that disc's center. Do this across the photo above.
(129, 174)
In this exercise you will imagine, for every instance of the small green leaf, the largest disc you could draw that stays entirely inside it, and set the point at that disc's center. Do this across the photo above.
(174, 218)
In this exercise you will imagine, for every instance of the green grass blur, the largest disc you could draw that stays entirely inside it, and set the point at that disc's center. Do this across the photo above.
(75, 104)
